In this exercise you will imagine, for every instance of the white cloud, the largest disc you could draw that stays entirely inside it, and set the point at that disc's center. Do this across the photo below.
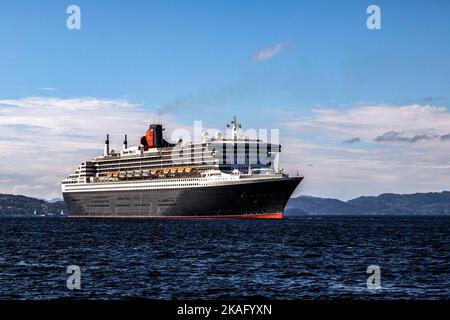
(369, 122)
(417, 160)
(44, 139)
(269, 52)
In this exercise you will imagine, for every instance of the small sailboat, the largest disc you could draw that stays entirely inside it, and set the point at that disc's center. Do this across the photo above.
(34, 213)
(62, 212)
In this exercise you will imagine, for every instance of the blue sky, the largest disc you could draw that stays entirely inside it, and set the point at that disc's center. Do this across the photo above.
(195, 60)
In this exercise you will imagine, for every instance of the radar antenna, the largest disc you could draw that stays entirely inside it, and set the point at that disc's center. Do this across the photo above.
(235, 126)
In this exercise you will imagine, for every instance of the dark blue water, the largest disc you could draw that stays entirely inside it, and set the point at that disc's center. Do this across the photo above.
(304, 258)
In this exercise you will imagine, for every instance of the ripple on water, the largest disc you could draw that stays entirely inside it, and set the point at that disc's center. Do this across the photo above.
(302, 258)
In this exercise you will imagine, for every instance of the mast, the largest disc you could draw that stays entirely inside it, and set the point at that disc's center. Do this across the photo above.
(125, 143)
(234, 128)
(106, 149)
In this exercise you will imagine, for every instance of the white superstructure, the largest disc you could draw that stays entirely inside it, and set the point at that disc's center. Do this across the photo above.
(212, 161)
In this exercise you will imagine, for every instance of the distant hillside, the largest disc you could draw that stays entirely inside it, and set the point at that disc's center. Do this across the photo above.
(15, 205)
(433, 203)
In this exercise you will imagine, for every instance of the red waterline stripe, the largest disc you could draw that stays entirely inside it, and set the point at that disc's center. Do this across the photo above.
(277, 215)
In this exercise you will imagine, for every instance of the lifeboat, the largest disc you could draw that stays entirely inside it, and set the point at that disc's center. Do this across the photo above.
(145, 173)
(109, 174)
(174, 170)
(130, 174)
(153, 172)
(166, 171)
(180, 170)
(115, 174)
(187, 170)
(122, 175)
(137, 173)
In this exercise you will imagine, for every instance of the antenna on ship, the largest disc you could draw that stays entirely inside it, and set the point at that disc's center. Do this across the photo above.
(106, 149)
(125, 143)
(235, 126)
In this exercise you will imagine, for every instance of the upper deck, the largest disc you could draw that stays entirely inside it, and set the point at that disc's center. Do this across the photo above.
(155, 158)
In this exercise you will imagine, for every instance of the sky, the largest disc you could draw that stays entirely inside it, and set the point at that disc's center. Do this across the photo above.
(360, 111)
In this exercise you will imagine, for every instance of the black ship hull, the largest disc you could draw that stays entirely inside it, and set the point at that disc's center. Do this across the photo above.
(258, 199)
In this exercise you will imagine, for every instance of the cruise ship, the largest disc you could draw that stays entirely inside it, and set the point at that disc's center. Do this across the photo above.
(217, 177)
